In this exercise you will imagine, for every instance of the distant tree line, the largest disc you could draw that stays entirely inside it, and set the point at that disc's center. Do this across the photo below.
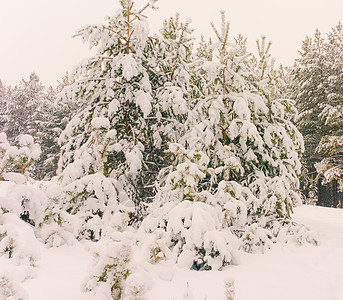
(314, 82)
(317, 87)
(30, 108)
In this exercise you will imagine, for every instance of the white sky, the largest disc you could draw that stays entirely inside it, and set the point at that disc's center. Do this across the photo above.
(35, 35)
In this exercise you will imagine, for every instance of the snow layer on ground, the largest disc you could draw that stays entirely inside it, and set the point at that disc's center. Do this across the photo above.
(283, 273)
(60, 273)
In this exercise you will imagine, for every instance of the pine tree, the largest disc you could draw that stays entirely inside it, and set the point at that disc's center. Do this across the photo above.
(174, 88)
(236, 163)
(107, 145)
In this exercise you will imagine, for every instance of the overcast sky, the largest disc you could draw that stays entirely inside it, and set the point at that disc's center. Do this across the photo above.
(36, 35)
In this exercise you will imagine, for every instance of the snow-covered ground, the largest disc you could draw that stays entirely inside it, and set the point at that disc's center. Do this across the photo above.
(284, 272)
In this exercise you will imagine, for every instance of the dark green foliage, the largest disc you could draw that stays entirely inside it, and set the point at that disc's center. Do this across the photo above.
(317, 88)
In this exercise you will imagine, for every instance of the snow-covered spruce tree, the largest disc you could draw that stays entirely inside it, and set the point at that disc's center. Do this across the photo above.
(317, 89)
(331, 166)
(234, 177)
(28, 153)
(331, 143)
(108, 161)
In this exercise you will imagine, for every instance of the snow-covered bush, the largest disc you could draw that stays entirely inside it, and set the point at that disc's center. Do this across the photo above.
(18, 241)
(27, 154)
(136, 287)
(113, 274)
(19, 255)
(26, 201)
(256, 239)
(155, 246)
(55, 227)
(100, 207)
(229, 291)
(111, 269)
(98, 202)
(14, 158)
(194, 233)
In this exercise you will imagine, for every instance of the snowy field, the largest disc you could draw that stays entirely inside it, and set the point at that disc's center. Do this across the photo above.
(284, 272)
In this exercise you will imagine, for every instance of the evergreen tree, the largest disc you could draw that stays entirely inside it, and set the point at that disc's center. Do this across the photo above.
(53, 116)
(56, 112)
(44, 133)
(169, 56)
(27, 114)
(107, 146)
(330, 146)
(23, 107)
(318, 92)
(174, 88)
(236, 163)
(32, 111)
(310, 92)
